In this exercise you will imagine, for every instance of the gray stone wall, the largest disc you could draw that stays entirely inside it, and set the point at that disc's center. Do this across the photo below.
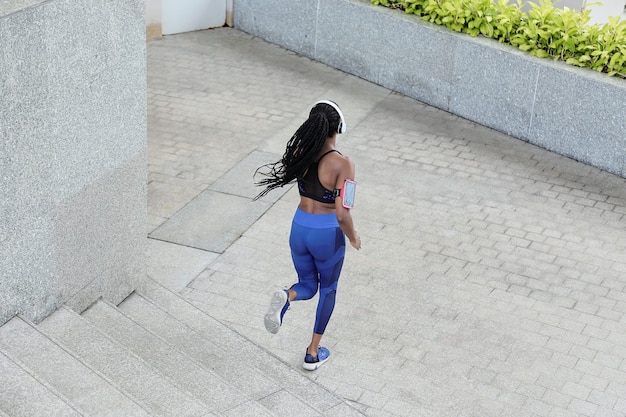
(72, 153)
(572, 111)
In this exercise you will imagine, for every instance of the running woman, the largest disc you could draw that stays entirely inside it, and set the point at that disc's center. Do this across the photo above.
(321, 222)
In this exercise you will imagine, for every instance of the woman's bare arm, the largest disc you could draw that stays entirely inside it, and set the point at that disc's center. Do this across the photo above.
(346, 171)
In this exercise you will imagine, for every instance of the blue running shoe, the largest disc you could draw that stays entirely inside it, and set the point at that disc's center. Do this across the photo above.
(311, 362)
(278, 306)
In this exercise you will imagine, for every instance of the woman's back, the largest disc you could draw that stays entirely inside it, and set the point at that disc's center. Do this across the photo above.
(318, 186)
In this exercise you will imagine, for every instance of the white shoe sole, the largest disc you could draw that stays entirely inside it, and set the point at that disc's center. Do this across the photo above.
(272, 317)
(313, 366)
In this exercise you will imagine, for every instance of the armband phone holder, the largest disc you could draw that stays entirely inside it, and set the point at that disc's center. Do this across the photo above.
(347, 193)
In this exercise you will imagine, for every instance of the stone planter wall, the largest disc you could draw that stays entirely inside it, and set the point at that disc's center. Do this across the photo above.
(572, 111)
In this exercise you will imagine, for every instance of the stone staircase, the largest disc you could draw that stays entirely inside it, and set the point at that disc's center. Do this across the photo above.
(153, 355)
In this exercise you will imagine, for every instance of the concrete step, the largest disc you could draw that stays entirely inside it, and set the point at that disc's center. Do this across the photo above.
(89, 393)
(21, 395)
(279, 387)
(149, 388)
(168, 359)
(202, 349)
(153, 355)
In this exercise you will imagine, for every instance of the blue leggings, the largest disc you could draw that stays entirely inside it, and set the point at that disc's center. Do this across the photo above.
(318, 247)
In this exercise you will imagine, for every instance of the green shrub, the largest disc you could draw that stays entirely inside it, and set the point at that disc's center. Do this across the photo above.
(544, 31)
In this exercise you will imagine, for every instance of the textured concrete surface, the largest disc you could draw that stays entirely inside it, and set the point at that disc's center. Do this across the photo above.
(72, 154)
(18, 384)
(173, 265)
(8, 7)
(491, 279)
(212, 221)
(139, 379)
(49, 362)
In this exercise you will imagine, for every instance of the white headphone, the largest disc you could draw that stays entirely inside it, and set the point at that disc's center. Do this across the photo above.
(342, 122)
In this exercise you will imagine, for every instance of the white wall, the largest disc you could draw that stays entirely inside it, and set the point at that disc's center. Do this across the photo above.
(189, 15)
(601, 10)
(600, 13)
(164, 17)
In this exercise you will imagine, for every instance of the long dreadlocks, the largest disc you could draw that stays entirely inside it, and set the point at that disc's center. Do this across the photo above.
(302, 149)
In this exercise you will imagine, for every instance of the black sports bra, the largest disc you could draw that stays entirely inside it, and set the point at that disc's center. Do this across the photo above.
(310, 186)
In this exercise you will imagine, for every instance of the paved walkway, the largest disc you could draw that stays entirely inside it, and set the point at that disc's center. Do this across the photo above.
(492, 276)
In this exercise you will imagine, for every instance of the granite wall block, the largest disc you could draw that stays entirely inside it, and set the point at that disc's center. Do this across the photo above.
(352, 45)
(73, 151)
(582, 116)
(494, 86)
(289, 23)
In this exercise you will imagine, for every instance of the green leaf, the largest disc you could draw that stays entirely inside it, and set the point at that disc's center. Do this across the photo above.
(615, 58)
(486, 29)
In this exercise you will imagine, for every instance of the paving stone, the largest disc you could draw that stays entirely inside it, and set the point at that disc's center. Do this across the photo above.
(212, 221)
(248, 409)
(175, 266)
(241, 182)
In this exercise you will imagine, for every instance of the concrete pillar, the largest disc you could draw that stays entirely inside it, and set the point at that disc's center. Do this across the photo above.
(72, 153)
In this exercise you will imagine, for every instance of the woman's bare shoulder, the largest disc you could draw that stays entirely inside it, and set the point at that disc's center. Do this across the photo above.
(340, 158)
(342, 165)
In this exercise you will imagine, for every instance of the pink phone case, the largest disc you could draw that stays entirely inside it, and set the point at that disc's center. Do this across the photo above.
(347, 193)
